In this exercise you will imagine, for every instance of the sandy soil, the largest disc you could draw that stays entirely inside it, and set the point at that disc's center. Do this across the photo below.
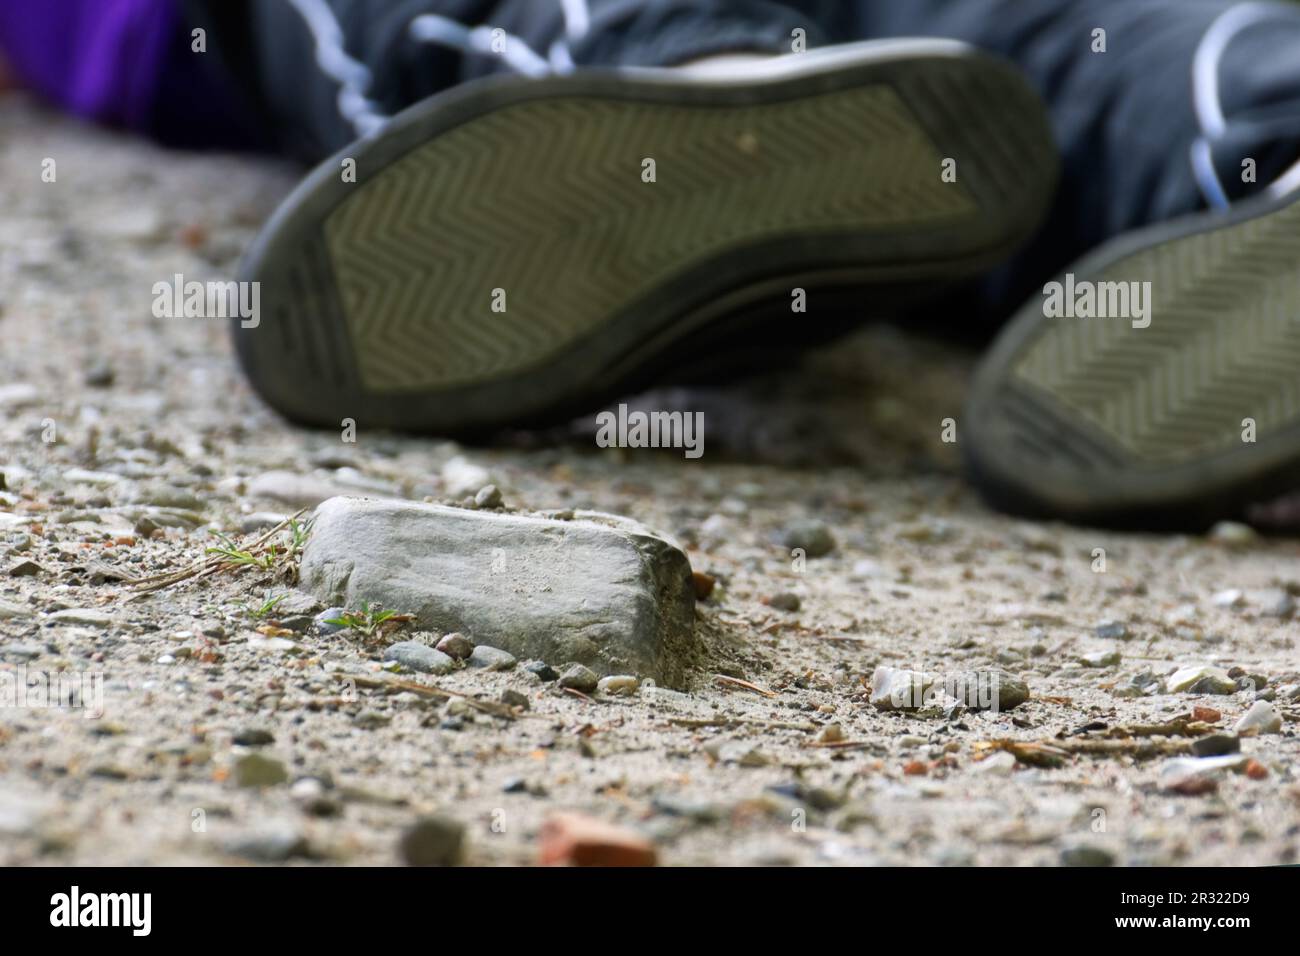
(151, 420)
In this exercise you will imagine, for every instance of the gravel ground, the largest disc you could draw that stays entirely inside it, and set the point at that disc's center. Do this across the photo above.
(126, 440)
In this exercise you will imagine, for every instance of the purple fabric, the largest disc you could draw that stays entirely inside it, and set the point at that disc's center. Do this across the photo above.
(100, 59)
(128, 63)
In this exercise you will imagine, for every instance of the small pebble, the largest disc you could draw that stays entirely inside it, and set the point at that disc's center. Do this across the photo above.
(831, 734)
(544, 671)
(456, 645)
(1100, 659)
(459, 707)
(813, 537)
(432, 841)
(419, 657)
(274, 845)
(987, 690)
(1194, 776)
(307, 788)
(1233, 534)
(1262, 718)
(25, 568)
(1086, 854)
(371, 720)
(703, 584)
(895, 689)
(785, 601)
(617, 685)
(1232, 597)
(1205, 680)
(512, 698)
(1111, 631)
(489, 496)
(258, 770)
(1216, 745)
(490, 658)
(579, 678)
(253, 737)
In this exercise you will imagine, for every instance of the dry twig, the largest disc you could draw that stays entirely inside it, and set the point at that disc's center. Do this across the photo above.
(737, 682)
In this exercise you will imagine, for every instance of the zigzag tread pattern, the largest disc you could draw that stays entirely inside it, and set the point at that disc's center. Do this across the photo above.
(1223, 344)
(546, 201)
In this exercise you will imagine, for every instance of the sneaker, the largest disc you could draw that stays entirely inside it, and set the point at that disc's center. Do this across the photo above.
(1157, 383)
(519, 250)
(1176, 402)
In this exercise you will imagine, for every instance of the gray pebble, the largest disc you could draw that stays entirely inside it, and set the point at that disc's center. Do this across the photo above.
(25, 568)
(1199, 679)
(785, 601)
(1216, 745)
(810, 535)
(1084, 854)
(371, 720)
(512, 698)
(987, 690)
(99, 375)
(1211, 685)
(579, 678)
(253, 737)
(1100, 659)
(145, 526)
(432, 841)
(257, 770)
(544, 671)
(490, 658)
(419, 657)
(1112, 631)
(489, 496)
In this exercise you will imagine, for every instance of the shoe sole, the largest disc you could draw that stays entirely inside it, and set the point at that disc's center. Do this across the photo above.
(1097, 421)
(377, 297)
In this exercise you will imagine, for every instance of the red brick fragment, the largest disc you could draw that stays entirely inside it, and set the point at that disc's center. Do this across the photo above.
(573, 839)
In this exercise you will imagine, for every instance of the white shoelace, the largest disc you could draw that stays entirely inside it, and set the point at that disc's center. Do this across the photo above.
(481, 40)
(354, 78)
(350, 74)
(1209, 105)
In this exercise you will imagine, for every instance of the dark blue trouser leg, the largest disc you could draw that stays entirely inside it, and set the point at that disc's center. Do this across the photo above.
(1124, 118)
